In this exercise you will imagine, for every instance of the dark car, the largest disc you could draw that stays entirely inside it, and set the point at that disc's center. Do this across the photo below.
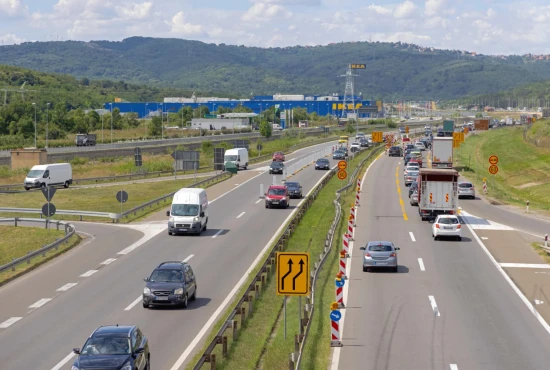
(172, 283)
(114, 348)
(364, 143)
(339, 155)
(276, 167)
(409, 147)
(322, 164)
(294, 189)
(413, 188)
(407, 158)
(277, 196)
(395, 151)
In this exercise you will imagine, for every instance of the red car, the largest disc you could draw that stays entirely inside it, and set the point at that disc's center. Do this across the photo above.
(419, 161)
(279, 157)
(277, 196)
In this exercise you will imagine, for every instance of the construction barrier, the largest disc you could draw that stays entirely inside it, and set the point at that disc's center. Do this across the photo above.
(343, 267)
(345, 243)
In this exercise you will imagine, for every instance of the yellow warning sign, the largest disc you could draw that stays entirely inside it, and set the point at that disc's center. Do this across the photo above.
(292, 273)
(377, 137)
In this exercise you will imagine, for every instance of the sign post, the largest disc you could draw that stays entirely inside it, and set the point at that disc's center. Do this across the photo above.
(48, 209)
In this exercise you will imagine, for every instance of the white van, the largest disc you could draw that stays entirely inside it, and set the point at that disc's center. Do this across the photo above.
(239, 157)
(189, 212)
(49, 175)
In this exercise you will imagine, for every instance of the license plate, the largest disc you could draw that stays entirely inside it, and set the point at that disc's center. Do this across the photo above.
(275, 202)
(448, 227)
(381, 263)
(161, 298)
(182, 229)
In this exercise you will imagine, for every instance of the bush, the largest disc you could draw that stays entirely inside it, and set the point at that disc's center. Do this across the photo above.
(206, 147)
(76, 161)
(392, 124)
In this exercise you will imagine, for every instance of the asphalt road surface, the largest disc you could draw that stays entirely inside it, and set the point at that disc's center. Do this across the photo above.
(57, 316)
(448, 307)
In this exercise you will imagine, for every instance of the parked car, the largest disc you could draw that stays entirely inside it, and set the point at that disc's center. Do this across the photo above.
(322, 164)
(277, 196)
(114, 347)
(279, 157)
(276, 167)
(446, 226)
(466, 189)
(294, 189)
(171, 283)
(414, 198)
(379, 254)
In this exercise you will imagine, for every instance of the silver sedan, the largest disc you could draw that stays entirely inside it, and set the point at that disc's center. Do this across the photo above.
(379, 254)
(466, 189)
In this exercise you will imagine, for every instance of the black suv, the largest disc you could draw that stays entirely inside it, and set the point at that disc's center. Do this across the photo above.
(114, 348)
(396, 151)
(294, 189)
(171, 283)
(276, 167)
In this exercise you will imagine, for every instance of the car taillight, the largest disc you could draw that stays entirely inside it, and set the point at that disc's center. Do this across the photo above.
(393, 255)
(451, 212)
(437, 226)
(472, 188)
(458, 226)
(367, 254)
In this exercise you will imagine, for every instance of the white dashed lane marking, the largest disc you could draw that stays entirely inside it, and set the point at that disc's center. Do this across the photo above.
(9, 322)
(88, 273)
(66, 287)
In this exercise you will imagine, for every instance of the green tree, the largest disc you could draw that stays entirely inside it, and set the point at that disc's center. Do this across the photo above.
(200, 111)
(266, 129)
(242, 109)
(155, 127)
(350, 128)
(130, 120)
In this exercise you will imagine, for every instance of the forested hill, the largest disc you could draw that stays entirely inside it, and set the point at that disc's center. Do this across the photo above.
(394, 70)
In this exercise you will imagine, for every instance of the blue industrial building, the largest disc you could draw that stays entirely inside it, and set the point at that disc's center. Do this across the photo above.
(331, 105)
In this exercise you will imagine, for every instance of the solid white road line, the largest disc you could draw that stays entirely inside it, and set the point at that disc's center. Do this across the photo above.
(216, 235)
(337, 350)
(66, 287)
(131, 305)
(9, 322)
(88, 273)
(454, 367)
(412, 236)
(232, 293)
(40, 303)
(527, 265)
(108, 261)
(241, 215)
(64, 361)
(259, 200)
(188, 258)
(421, 263)
(434, 305)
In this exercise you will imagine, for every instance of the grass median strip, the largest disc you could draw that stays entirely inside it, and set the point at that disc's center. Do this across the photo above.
(261, 343)
(16, 242)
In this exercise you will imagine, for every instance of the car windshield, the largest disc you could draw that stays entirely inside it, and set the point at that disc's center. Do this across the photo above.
(413, 173)
(229, 158)
(166, 276)
(279, 192)
(276, 164)
(80, 136)
(34, 174)
(465, 185)
(106, 345)
(380, 248)
(448, 220)
(322, 160)
(185, 209)
(292, 185)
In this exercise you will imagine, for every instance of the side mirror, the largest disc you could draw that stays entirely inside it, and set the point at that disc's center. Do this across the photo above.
(139, 350)
(432, 221)
(146, 279)
(76, 350)
(202, 214)
(362, 248)
(397, 248)
(168, 213)
(265, 194)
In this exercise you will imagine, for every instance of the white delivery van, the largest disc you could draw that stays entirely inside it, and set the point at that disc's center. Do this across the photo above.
(188, 212)
(49, 175)
(239, 157)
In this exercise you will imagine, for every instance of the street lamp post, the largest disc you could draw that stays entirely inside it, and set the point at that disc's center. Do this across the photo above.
(34, 104)
(111, 124)
(47, 122)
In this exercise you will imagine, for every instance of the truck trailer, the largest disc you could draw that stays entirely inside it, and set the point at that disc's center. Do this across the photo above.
(442, 152)
(437, 192)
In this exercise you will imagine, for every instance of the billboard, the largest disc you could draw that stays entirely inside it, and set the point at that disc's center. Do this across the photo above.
(481, 124)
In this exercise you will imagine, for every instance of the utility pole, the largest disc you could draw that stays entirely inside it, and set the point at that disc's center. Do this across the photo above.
(111, 124)
(34, 104)
(47, 122)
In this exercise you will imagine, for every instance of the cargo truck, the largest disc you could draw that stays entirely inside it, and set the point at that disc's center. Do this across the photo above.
(437, 192)
(85, 139)
(448, 127)
(442, 152)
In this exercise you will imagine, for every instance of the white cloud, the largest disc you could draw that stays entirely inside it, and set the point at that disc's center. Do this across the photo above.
(263, 11)
(180, 26)
(404, 10)
(12, 8)
(290, 2)
(11, 39)
(380, 9)
(135, 11)
(434, 7)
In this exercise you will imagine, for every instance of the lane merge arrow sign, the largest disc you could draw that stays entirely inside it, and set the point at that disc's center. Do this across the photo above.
(292, 273)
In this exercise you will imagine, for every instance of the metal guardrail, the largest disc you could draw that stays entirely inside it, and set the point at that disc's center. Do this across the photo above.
(69, 232)
(245, 303)
(114, 216)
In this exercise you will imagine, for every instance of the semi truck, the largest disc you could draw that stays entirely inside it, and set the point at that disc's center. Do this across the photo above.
(85, 139)
(448, 127)
(442, 152)
(437, 192)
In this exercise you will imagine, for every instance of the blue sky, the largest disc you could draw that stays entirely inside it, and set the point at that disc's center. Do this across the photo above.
(482, 26)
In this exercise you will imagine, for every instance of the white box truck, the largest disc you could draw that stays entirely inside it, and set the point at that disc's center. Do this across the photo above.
(437, 192)
(442, 152)
(238, 156)
(45, 175)
(188, 212)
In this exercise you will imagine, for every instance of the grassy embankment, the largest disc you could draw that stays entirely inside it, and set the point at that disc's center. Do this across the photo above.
(523, 162)
(18, 241)
(261, 344)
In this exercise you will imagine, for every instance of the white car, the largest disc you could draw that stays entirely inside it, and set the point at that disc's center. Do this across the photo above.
(411, 169)
(447, 226)
(355, 145)
(420, 146)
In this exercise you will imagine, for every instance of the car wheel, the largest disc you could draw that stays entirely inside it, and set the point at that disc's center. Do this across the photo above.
(459, 238)
(145, 305)
(204, 228)
(365, 269)
(395, 269)
(436, 237)
(42, 185)
(270, 172)
(27, 188)
(148, 364)
(194, 296)
(66, 184)
(169, 233)
(185, 302)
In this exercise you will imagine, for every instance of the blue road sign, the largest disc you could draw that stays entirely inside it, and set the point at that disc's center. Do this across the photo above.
(340, 283)
(335, 315)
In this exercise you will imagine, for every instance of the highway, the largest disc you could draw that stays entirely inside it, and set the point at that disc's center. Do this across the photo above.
(448, 307)
(101, 283)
